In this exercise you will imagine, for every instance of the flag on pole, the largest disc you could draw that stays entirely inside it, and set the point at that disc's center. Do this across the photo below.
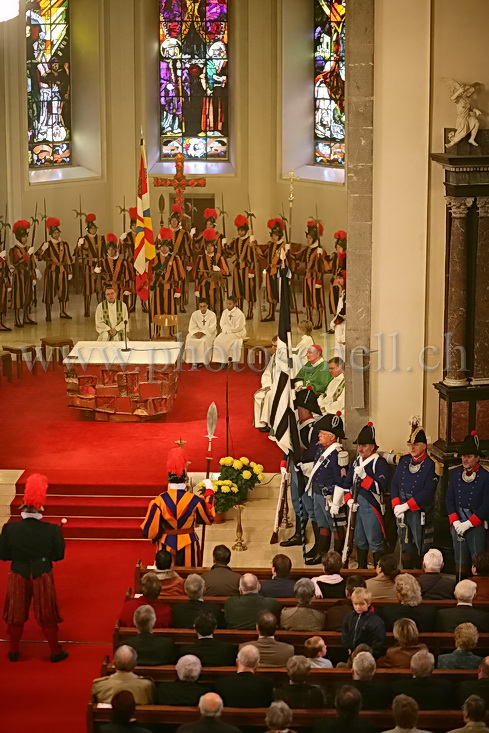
(144, 250)
(283, 419)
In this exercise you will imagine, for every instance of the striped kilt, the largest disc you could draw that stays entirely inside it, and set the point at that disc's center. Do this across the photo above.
(3, 297)
(55, 284)
(20, 594)
(163, 301)
(92, 283)
(313, 296)
(21, 288)
(244, 286)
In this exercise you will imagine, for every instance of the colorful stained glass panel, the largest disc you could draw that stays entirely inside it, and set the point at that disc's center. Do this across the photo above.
(48, 83)
(194, 79)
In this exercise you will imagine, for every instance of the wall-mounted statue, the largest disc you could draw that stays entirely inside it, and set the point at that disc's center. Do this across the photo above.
(467, 116)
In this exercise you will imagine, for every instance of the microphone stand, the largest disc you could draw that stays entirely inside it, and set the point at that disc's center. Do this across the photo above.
(126, 348)
(227, 404)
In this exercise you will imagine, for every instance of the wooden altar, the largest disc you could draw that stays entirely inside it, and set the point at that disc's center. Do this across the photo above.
(123, 386)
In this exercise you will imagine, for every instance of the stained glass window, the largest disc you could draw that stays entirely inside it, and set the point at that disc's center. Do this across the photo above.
(194, 79)
(329, 82)
(48, 82)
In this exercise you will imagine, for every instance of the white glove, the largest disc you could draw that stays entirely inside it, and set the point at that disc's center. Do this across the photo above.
(456, 525)
(97, 270)
(333, 510)
(192, 231)
(318, 286)
(224, 240)
(80, 241)
(178, 295)
(332, 324)
(251, 274)
(30, 251)
(401, 509)
(70, 277)
(44, 246)
(3, 254)
(283, 470)
(197, 293)
(123, 237)
(252, 238)
(400, 517)
(287, 247)
(216, 268)
(359, 472)
(353, 506)
(189, 267)
(127, 292)
(464, 526)
(38, 274)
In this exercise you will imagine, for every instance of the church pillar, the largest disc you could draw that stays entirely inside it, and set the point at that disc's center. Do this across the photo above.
(456, 306)
(481, 320)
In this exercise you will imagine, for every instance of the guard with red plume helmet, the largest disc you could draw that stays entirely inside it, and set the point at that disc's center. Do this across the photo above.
(23, 277)
(210, 270)
(413, 489)
(337, 267)
(467, 502)
(316, 263)
(171, 516)
(5, 286)
(127, 243)
(210, 217)
(168, 276)
(32, 545)
(89, 251)
(182, 248)
(91, 224)
(244, 273)
(367, 480)
(220, 242)
(114, 269)
(58, 271)
(277, 255)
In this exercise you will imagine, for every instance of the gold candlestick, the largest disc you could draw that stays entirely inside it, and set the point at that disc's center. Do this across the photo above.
(239, 545)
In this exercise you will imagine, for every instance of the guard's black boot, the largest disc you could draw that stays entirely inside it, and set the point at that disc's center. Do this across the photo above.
(296, 538)
(322, 547)
(362, 556)
(377, 556)
(314, 549)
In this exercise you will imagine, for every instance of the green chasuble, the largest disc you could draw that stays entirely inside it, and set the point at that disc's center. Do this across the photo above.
(317, 375)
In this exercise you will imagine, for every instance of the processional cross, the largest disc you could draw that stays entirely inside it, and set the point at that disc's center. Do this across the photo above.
(180, 181)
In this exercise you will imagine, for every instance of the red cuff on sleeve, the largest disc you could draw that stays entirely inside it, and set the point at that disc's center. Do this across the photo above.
(453, 517)
(475, 520)
(348, 496)
(413, 505)
(396, 502)
(209, 492)
(283, 464)
(367, 482)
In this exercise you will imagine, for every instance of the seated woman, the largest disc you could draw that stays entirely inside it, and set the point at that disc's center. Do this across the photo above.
(302, 617)
(466, 638)
(480, 575)
(399, 655)
(299, 693)
(382, 586)
(409, 606)
(315, 650)
(278, 718)
(331, 584)
(150, 590)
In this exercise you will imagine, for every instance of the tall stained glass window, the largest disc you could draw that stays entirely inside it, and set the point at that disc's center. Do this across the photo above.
(194, 79)
(329, 82)
(48, 82)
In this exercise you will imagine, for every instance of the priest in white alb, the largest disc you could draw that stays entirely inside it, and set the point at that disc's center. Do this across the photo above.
(229, 343)
(332, 401)
(261, 398)
(202, 331)
(110, 317)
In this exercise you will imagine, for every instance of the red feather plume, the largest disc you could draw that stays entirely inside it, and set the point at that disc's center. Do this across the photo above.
(21, 224)
(52, 222)
(271, 223)
(111, 238)
(241, 222)
(210, 214)
(177, 209)
(165, 234)
(133, 212)
(35, 490)
(340, 234)
(280, 223)
(89, 218)
(209, 235)
(176, 462)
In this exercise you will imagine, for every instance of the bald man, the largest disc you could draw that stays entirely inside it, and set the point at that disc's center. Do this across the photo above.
(210, 707)
(125, 659)
(315, 373)
(240, 612)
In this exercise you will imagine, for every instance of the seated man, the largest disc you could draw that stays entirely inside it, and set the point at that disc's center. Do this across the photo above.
(186, 690)
(480, 686)
(430, 693)
(245, 689)
(405, 712)
(184, 614)
(220, 580)
(150, 591)
(211, 652)
(348, 703)
(241, 612)
(210, 708)
(125, 659)
(298, 693)
(447, 619)
(474, 710)
(480, 575)
(281, 585)
(229, 343)
(332, 400)
(273, 653)
(314, 373)
(435, 586)
(202, 331)
(110, 317)
(171, 583)
(376, 695)
(261, 409)
(382, 585)
(302, 617)
(150, 649)
(123, 715)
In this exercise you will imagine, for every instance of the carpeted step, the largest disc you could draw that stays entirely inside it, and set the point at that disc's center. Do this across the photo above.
(101, 483)
(93, 506)
(105, 528)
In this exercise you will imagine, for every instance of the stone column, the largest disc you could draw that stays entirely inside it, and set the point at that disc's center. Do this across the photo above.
(455, 340)
(481, 318)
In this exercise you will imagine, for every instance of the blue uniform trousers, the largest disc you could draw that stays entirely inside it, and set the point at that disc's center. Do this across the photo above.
(324, 519)
(368, 532)
(410, 535)
(474, 541)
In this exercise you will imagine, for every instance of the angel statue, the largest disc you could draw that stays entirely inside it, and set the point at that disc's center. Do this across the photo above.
(467, 116)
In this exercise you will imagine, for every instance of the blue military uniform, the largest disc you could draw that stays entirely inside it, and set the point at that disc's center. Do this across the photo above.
(369, 524)
(468, 500)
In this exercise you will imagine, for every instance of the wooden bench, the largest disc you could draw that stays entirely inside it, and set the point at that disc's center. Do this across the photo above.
(18, 351)
(6, 361)
(58, 348)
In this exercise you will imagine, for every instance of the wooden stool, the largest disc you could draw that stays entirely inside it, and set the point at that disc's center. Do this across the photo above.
(260, 345)
(56, 345)
(18, 350)
(168, 323)
(6, 359)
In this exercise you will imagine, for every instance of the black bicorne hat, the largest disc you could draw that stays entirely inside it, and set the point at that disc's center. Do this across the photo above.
(366, 436)
(471, 445)
(332, 424)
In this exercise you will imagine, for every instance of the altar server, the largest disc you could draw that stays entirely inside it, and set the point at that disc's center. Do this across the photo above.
(110, 316)
(202, 331)
(57, 256)
(229, 343)
(261, 398)
(24, 274)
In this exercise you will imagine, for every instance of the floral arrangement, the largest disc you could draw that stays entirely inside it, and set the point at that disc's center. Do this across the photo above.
(236, 478)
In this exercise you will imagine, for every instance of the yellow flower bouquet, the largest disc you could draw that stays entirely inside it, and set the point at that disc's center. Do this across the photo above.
(237, 477)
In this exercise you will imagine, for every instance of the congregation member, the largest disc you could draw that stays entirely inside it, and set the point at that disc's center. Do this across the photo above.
(447, 619)
(241, 612)
(299, 693)
(405, 712)
(210, 708)
(171, 583)
(337, 613)
(151, 649)
(184, 614)
(480, 576)
(58, 271)
(467, 501)
(435, 586)
(245, 689)
(303, 617)
(212, 652)
(363, 625)
(400, 654)
(125, 660)
(412, 490)
(150, 592)
(220, 580)
(315, 650)
(474, 712)
(229, 342)
(187, 689)
(409, 605)
(382, 585)
(202, 331)
(90, 250)
(480, 686)
(375, 694)
(330, 584)
(281, 585)
(332, 400)
(348, 703)
(466, 638)
(367, 479)
(262, 397)
(314, 373)
(111, 316)
(431, 693)
(278, 718)
(273, 653)
(122, 715)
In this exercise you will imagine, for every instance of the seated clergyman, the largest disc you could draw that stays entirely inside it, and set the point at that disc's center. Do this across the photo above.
(110, 317)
